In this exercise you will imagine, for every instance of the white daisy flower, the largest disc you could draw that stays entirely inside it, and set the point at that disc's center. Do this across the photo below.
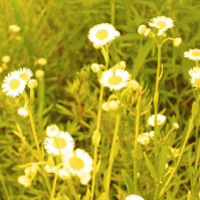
(78, 162)
(195, 76)
(60, 144)
(115, 79)
(162, 23)
(160, 120)
(193, 54)
(195, 71)
(13, 85)
(52, 130)
(25, 74)
(102, 34)
(195, 81)
(134, 197)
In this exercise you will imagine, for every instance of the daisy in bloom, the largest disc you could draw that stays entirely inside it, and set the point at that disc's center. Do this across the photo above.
(78, 162)
(13, 85)
(115, 79)
(101, 34)
(162, 23)
(60, 144)
(195, 76)
(160, 120)
(193, 54)
(134, 197)
(25, 74)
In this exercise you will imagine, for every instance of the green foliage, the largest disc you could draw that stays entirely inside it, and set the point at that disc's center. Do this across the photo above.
(68, 95)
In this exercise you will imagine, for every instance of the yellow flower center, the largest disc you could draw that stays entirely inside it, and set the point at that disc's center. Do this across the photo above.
(196, 53)
(102, 34)
(14, 84)
(161, 24)
(197, 82)
(59, 143)
(76, 163)
(115, 80)
(24, 76)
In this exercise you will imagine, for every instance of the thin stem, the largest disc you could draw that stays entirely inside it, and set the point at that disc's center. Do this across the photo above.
(156, 97)
(180, 156)
(112, 155)
(105, 53)
(36, 138)
(96, 144)
(72, 189)
(54, 186)
(137, 126)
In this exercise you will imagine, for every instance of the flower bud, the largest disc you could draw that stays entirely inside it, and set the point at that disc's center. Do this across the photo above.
(5, 59)
(96, 137)
(42, 61)
(114, 105)
(177, 42)
(39, 73)
(142, 29)
(106, 107)
(14, 28)
(52, 130)
(147, 32)
(95, 67)
(22, 112)
(24, 180)
(175, 125)
(32, 83)
(133, 84)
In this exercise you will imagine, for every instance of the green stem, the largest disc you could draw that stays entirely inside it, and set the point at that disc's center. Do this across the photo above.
(96, 144)
(72, 189)
(29, 108)
(156, 97)
(54, 186)
(112, 155)
(105, 53)
(180, 156)
(137, 126)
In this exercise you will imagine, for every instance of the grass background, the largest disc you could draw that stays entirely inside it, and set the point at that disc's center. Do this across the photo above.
(57, 31)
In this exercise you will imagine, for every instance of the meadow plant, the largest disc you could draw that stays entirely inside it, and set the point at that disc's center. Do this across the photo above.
(102, 142)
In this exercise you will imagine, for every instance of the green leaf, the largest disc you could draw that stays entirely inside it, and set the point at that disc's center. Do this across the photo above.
(151, 168)
(103, 196)
(162, 160)
(87, 196)
(195, 108)
(128, 181)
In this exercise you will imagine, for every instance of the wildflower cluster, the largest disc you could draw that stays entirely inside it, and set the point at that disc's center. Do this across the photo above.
(74, 162)
(162, 24)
